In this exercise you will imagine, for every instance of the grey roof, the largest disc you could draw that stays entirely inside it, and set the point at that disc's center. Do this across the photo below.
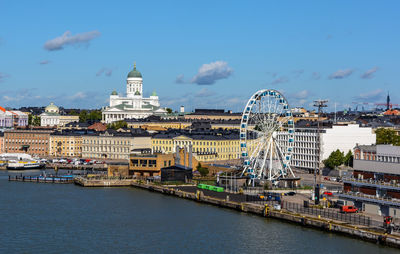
(367, 148)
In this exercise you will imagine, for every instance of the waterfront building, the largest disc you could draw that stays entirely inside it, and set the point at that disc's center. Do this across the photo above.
(133, 105)
(33, 141)
(375, 185)
(111, 144)
(144, 163)
(12, 118)
(66, 143)
(209, 145)
(345, 137)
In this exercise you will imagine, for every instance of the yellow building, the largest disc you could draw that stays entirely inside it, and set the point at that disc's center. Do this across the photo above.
(65, 144)
(207, 145)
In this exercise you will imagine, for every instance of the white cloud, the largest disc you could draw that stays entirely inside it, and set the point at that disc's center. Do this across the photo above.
(208, 74)
(340, 74)
(302, 94)
(60, 42)
(369, 73)
(107, 72)
(78, 96)
(374, 95)
(204, 93)
(180, 79)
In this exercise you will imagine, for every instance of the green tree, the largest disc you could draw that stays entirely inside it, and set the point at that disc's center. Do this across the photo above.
(334, 160)
(73, 113)
(348, 159)
(169, 111)
(117, 125)
(83, 116)
(202, 170)
(95, 115)
(387, 136)
(33, 120)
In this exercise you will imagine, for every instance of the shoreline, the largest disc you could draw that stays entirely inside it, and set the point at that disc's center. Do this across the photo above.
(338, 227)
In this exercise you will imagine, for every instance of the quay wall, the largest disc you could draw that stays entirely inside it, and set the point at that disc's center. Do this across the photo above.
(364, 233)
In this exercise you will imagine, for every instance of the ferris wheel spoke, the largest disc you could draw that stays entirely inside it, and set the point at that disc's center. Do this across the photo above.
(267, 138)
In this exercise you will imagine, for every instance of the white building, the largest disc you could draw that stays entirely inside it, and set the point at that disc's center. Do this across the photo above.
(133, 105)
(50, 116)
(343, 137)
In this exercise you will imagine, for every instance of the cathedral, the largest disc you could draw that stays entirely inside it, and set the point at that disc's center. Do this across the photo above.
(133, 105)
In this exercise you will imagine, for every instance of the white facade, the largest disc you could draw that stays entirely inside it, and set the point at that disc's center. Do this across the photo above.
(343, 137)
(50, 116)
(133, 105)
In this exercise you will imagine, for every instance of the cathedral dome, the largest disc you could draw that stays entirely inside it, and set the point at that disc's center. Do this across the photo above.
(51, 108)
(114, 93)
(134, 73)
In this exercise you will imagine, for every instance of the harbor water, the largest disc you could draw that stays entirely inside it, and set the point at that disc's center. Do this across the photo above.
(65, 218)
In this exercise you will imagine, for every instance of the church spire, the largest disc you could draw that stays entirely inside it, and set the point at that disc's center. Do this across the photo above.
(134, 65)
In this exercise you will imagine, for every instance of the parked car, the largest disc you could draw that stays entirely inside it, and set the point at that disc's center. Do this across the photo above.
(348, 209)
(290, 193)
(326, 178)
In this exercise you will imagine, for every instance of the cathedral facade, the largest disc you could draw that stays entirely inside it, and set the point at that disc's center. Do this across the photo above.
(133, 105)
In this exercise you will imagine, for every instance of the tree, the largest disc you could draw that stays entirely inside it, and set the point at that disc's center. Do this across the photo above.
(169, 111)
(83, 116)
(348, 159)
(334, 160)
(73, 113)
(95, 115)
(202, 170)
(117, 125)
(33, 120)
(387, 136)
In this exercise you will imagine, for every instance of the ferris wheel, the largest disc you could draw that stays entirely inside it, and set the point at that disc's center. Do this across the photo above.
(267, 136)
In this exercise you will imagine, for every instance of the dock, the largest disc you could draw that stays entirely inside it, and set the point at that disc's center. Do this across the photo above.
(41, 179)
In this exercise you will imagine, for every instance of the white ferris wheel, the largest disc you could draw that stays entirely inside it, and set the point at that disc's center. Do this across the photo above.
(267, 136)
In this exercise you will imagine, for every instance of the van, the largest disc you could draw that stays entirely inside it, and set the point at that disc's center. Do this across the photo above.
(348, 209)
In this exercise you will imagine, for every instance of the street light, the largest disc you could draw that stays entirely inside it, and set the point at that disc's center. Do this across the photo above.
(319, 104)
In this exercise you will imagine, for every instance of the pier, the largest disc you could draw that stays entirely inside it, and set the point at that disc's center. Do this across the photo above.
(42, 179)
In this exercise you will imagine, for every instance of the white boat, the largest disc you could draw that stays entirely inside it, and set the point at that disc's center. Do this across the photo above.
(20, 161)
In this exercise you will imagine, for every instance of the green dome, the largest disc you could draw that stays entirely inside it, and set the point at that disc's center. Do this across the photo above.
(137, 93)
(154, 93)
(114, 93)
(134, 73)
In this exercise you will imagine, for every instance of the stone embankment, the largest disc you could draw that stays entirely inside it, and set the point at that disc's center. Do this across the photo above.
(362, 232)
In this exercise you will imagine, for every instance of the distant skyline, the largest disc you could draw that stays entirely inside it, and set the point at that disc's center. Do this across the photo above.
(203, 54)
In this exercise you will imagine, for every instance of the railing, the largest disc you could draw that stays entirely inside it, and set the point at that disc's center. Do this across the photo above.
(333, 214)
(362, 195)
(371, 181)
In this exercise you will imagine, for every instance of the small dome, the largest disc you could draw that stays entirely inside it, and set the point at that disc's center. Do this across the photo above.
(137, 93)
(114, 93)
(134, 73)
(154, 93)
(52, 108)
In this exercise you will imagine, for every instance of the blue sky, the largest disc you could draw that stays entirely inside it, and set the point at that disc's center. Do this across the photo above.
(212, 54)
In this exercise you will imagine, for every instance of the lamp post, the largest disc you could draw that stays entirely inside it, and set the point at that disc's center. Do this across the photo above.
(319, 104)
